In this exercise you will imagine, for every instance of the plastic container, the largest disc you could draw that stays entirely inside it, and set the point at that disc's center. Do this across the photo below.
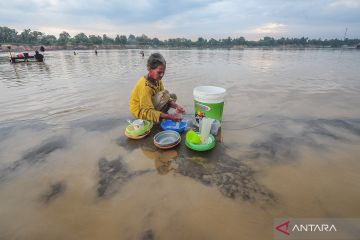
(172, 125)
(215, 127)
(202, 147)
(138, 124)
(193, 137)
(166, 138)
(205, 127)
(209, 102)
(130, 129)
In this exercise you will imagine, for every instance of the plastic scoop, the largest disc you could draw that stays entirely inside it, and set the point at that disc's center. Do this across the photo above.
(192, 137)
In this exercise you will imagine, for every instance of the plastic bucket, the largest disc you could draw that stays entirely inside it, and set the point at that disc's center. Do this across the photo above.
(209, 102)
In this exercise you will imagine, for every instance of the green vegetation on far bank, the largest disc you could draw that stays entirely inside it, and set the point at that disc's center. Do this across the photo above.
(28, 37)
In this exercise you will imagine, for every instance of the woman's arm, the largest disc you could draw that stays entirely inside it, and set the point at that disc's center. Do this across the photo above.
(178, 108)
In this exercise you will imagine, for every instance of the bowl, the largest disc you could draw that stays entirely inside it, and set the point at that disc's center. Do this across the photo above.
(138, 136)
(132, 131)
(166, 138)
(168, 146)
(172, 125)
(202, 147)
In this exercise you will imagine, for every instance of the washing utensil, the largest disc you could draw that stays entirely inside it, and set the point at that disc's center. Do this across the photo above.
(193, 137)
(205, 127)
(138, 123)
(209, 102)
(172, 125)
(167, 139)
(137, 136)
(201, 147)
(132, 131)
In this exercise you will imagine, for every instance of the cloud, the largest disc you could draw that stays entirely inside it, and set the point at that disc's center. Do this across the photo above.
(186, 18)
(345, 3)
(269, 28)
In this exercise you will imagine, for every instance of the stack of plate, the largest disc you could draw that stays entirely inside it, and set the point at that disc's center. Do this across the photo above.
(133, 133)
(167, 139)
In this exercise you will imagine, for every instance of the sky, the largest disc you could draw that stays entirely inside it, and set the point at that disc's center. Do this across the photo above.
(186, 18)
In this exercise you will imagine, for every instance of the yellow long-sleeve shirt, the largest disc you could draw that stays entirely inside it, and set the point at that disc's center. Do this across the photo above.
(140, 103)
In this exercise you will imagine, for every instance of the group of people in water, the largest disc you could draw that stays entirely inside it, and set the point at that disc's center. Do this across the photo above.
(25, 56)
(96, 52)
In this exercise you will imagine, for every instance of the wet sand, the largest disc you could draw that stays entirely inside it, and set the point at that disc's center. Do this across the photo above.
(85, 183)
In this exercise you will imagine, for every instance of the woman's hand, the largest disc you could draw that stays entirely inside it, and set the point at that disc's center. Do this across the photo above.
(175, 117)
(179, 109)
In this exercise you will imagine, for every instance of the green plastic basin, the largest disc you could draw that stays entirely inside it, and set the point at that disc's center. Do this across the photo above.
(201, 147)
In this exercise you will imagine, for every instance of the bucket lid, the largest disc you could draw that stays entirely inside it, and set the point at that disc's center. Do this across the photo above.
(209, 92)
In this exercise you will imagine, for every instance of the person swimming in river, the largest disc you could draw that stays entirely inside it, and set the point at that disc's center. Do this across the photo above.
(149, 100)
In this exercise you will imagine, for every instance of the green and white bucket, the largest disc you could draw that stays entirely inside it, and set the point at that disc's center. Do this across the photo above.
(209, 102)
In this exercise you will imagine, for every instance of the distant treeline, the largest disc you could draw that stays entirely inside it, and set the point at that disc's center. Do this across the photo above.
(11, 36)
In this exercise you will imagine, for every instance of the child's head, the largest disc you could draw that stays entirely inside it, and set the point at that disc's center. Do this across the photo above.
(156, 65)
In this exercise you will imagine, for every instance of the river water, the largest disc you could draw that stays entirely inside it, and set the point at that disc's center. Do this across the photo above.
(288, 147)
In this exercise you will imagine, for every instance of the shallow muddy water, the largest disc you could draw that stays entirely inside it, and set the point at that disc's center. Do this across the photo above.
(288, 147)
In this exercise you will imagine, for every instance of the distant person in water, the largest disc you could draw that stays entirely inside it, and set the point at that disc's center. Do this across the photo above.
(142, 53)
(74, 53)
(149, 100)
(39, 57)
(95, 51)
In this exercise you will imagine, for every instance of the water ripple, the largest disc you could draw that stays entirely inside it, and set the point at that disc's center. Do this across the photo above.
(68, 84)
